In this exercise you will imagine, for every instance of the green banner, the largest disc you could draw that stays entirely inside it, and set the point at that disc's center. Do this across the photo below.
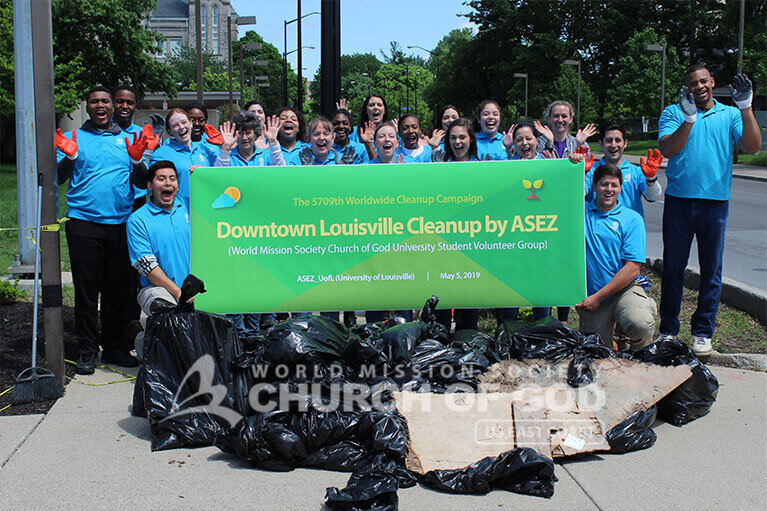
(386, 237)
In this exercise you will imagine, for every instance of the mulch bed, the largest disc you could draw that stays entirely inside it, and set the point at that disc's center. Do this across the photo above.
(16, 351)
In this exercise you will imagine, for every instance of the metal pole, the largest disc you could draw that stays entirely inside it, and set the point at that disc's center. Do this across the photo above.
(740, 36)
(285, 63)
(26, 156)
(198, 40)
(525, 96)
(497, 64)
(330, 54)
(229, 42)
(300, 82)
(407, 87)
(578, 122)
(45, 116)
(242, 85)
(663, 81)
(252, 89)
(692, 32)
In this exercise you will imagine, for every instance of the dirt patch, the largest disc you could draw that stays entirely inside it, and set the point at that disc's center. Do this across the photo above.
(16, 350)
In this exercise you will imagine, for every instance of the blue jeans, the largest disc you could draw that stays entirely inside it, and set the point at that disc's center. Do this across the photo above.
(707, 221)
(247, 325)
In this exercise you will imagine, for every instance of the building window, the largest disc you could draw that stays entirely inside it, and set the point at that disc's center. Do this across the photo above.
(204, 26)
(174, 45)
(214, 30)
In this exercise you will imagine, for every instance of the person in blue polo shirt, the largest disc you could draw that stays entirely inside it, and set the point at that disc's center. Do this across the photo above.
(158, 241)
(615, 251)
(96, 161)
(697, 136)
(292, 132)
(349, 150)
(185, 154)
(491, 144)
(201, 130)
(410, 133)
(637, 182)
(238, 148)
(319, 150)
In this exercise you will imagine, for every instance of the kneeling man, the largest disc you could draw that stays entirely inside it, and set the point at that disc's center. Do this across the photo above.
(158, 241)
(615, 251)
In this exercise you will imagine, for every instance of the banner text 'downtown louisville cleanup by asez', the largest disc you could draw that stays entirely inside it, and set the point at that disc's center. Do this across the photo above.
(372, 237)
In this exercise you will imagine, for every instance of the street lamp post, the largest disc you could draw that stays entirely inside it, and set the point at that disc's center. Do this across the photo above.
(285, 71)
(578, 108)
(661, 48)
(247, 46)
(285, 52)
(523, 75)
(241, 20)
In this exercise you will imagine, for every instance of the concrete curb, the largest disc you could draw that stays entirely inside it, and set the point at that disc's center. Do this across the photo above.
(744, 297)
(750, 177)
(750, 361)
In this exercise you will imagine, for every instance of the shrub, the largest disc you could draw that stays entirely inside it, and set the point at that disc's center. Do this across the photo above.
(9, 292)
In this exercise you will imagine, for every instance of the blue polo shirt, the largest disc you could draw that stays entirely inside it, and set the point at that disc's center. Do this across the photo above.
(612, 239)
(491, 148)
(184, 157)
(421, 154)
(259, 158)
(703, 168)
(538, 156)
(99, 187)
(163, 234)
(295, 158)
(355, 148)
(287, 153)
(634, 183)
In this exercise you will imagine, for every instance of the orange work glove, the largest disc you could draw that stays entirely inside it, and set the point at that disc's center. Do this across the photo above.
(650, 169)
(67, 146)
(152, 140)
(588, 161)
(214, 136)
(136, 150)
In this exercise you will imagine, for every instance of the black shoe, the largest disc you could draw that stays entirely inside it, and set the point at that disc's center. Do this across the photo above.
(86, 364)
(120, 358)
(129, 337)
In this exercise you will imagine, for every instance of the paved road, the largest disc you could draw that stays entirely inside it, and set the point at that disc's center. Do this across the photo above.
(745, 253)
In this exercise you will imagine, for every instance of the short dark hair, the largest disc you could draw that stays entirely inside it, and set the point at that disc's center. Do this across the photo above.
(245, 121)
(364, 111)
(251, 103)
(124, 86)
(608, 169)
(162, 164)
(98, 88)
(438, 118)
(611, 126)
(449, 156)
(695, 67)
(405, 116)
(524, 125)
(342, 111)
(198, 107)
(480, 107)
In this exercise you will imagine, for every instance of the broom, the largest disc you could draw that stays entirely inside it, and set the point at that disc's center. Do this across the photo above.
(35, 384)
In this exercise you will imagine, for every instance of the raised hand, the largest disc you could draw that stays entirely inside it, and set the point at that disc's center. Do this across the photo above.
(395, 122)
(342, 104)
(650, 169)
(583, 154)
(228, 136)
(366, 132)
(152, 140)
(508, 137)
(213, 135)
(272, 127)
(585, 133)
(436, 138)
(136, 149)
(742, 91)
(689, 110)
(67, 146)
(400, 158)
(545, 131)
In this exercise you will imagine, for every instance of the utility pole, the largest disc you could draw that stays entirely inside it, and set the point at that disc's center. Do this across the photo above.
(45, 124)
(198, 41)
(300, 84)
(330, 52)
(740, 35)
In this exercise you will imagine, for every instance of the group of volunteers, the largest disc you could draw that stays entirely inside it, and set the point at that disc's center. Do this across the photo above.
(113, 164)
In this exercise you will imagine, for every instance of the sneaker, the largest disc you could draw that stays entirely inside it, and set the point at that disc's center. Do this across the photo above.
(666, 337)
(120, 358)
(86, 364)
(701, 346)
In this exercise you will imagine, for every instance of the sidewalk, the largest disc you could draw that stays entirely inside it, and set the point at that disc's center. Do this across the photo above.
(89, 452)
(739, 170)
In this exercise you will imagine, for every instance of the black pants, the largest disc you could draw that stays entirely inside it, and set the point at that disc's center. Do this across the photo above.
(100, 265)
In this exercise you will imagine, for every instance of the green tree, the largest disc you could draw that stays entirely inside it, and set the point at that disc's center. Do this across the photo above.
(357, 73)
(566, 87)
(7, 88)
(104, 41)
(183, 63)
(404, 87)
(636, 87)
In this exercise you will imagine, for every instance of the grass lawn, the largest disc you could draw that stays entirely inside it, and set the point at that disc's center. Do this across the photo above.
(759, 158)
(638, 147)
(9, 240)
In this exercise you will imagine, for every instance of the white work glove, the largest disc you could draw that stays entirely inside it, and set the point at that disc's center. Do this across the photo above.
(742, 92)
(689, 109)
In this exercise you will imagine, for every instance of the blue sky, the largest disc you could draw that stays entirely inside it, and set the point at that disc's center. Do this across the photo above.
(366, 25)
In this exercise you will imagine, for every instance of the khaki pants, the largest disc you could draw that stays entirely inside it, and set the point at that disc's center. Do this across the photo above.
(146, 296)
(631, 308)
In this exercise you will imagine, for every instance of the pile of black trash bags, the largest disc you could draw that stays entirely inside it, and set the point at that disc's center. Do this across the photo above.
(200, 385)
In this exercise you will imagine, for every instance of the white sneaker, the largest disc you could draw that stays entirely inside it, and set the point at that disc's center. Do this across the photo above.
(701, 346)
(666, 337)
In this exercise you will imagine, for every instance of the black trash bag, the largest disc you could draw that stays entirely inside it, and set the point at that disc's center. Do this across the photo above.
(520, 470)
(436, 330)
(692, 399)
(475, 340)
(177, 344)
(375, 491)
(634, 433)
(443, 366)
(554, 342)
(307, 339)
